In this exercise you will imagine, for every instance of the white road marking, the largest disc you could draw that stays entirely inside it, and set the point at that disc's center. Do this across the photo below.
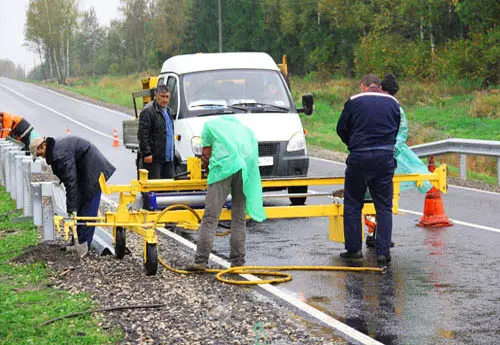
(56, 112)
(326, 319)
(471, 225)
(475, 190)
(326, 160)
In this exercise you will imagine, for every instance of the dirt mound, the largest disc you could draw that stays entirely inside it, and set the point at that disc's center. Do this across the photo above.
(49, 253)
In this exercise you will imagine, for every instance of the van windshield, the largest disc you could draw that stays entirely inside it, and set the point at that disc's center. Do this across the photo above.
(234, 91)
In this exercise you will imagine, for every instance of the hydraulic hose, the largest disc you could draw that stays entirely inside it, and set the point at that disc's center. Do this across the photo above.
(272, 271)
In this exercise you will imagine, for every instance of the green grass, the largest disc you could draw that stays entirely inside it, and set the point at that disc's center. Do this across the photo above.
(452, 116)
(27, 300)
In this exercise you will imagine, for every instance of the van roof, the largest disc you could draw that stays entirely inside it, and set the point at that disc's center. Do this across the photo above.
(189, 63)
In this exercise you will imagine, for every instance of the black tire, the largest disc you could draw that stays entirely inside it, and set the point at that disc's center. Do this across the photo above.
(151, 264)
(297, 190)
(120, 243)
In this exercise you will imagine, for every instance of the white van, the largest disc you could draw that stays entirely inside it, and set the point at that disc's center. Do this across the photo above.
(249, 86)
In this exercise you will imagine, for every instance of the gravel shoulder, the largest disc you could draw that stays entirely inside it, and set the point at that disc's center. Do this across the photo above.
(196, 309)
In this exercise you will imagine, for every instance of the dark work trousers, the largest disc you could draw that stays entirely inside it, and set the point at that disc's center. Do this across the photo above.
(90, 209)
(159, 170)
(373, 169)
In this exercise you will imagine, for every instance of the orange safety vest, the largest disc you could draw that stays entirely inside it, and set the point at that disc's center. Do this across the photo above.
(9, 122)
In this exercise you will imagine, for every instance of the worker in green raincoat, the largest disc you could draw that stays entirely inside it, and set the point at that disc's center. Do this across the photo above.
(230, 150)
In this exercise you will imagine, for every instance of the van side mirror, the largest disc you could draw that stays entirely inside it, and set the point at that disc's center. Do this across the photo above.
(307, 104)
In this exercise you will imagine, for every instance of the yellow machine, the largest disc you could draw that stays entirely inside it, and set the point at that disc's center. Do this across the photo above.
(145, 222)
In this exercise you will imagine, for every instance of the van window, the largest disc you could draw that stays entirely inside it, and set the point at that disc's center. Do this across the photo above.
(174, 98)
(263, 90)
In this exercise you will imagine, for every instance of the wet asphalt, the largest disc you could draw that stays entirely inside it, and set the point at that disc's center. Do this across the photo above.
(442, 286)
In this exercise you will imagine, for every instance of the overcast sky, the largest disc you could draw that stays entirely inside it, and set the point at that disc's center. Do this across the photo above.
(13, 18)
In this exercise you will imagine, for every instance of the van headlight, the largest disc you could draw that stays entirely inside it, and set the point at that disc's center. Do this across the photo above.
(297, 142)
(196, 145)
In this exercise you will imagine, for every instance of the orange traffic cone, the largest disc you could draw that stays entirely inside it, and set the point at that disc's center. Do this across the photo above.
(434, 216)
(370, 224)
(116, 141)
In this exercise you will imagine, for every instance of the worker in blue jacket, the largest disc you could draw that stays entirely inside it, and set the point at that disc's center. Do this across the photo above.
(368, 126)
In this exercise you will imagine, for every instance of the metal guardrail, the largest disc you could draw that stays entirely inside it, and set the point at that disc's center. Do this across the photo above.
(463, 147)
(38, 200)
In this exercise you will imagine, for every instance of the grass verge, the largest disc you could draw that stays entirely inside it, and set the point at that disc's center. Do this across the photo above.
(27, 298)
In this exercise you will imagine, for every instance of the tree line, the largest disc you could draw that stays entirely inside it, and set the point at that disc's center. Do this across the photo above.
(9, 69)
(420, 39)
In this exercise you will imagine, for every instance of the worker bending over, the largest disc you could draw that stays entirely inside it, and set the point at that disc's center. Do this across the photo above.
(17, 127)
(78, 164)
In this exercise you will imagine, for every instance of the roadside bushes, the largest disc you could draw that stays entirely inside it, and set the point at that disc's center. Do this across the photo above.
(474, 59)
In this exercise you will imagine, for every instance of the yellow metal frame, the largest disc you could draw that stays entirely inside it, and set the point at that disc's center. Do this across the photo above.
(144, 222)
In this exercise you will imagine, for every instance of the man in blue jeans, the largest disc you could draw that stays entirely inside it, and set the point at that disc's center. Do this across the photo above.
(368, 126)
(78, 164)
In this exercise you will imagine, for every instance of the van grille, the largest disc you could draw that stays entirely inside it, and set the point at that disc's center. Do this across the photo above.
(266, 171)
(268, 149)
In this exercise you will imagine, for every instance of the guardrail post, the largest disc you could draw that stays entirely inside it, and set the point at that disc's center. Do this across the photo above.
(27, 197)
(463, 166)
(6, 167)
(498, 171)
(19, 181)
(3, 149)
(36, 188)
(47, 213)
(12, 173)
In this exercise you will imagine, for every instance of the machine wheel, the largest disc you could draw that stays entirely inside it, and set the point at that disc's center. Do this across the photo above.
(120, 242)
(151, 264)
(297, 190)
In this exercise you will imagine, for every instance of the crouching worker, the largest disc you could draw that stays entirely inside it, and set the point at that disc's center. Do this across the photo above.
(231, 153)
(16, 127)
(78, 164)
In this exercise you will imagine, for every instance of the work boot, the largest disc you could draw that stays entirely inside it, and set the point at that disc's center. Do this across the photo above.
(196, 268)
(383, 260)
(352, 254)
(81, 249)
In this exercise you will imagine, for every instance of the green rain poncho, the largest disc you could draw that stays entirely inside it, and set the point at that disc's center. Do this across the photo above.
(235, 148)
(408, 161)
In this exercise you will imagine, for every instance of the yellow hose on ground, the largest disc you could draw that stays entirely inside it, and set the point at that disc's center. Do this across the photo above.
(270, 271)
(260, 270)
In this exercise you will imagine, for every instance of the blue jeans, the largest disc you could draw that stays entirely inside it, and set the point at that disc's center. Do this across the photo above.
(373, 169)
(89, 209)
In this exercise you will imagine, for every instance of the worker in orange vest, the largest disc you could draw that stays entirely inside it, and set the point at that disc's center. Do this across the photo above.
(17, 127)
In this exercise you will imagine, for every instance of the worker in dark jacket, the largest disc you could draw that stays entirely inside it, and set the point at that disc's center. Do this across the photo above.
(156, 136)
(17, 127)
(78, 164)
(368, 126)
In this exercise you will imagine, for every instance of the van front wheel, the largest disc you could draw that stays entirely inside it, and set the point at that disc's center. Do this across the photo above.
(298, 190)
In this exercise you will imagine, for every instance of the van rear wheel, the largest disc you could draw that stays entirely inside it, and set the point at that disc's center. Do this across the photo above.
(297, 190)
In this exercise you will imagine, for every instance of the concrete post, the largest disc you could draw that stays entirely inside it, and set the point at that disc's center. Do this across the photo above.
(47, 213)
(463, 166)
